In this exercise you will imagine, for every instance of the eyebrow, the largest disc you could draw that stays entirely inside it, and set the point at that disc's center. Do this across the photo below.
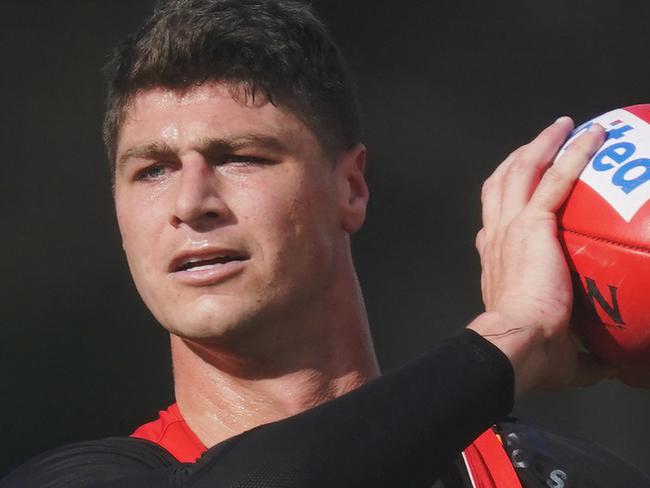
(153, 150)
(208, 147)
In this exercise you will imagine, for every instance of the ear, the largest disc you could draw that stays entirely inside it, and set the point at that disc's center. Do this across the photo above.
(353, 189)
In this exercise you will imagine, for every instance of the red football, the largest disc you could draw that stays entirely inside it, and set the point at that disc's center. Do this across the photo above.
(605, 230)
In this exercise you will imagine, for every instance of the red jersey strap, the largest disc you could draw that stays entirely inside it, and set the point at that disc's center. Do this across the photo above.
(171, 432)
(488, 463)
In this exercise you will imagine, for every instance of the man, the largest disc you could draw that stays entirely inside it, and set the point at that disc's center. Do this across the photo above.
(238, 181)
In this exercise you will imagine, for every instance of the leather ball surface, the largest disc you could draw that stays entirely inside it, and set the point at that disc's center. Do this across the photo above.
(605, 229)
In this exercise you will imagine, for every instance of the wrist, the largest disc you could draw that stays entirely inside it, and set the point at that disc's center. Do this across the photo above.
(523, 345)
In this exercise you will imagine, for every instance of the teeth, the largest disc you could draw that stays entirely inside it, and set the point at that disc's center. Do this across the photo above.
(198, 260)
(204, 263)
(193, 260)
(205, 266)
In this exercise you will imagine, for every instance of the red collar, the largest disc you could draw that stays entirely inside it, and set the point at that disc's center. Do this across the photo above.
(171, 432)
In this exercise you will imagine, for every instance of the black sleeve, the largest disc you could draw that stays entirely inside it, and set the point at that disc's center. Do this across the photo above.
(402, 429)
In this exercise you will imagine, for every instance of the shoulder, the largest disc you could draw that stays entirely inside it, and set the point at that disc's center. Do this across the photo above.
(86, 463)
(544, 459)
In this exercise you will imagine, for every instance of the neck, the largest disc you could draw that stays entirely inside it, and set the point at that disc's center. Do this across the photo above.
(221, 393)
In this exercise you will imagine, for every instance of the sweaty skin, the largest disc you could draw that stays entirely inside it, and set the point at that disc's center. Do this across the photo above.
(211, 198)
(375, 421)
(277, 324)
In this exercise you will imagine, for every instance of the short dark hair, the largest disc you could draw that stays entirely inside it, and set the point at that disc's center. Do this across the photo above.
(275, 48)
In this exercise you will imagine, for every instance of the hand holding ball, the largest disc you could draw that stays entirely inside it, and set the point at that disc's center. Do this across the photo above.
(604, 228)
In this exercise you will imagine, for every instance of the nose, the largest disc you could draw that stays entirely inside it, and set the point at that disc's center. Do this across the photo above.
(198, 202)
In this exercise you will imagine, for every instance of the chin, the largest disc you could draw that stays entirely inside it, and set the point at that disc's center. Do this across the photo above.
(210, 320)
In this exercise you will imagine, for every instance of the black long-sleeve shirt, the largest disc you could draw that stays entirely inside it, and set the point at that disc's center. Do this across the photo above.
(404, 429)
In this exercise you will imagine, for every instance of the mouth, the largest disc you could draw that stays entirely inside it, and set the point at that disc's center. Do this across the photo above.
(209, 266)
(194, 263)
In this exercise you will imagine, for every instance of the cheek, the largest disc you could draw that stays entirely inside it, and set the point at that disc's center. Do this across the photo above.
(294, 231)
(139, 235)
(138, 242)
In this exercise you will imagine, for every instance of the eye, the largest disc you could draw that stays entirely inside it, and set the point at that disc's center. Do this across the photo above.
(244, 160)
(152, 172)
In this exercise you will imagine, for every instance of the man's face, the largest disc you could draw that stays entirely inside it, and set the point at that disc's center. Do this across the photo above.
(230, 213)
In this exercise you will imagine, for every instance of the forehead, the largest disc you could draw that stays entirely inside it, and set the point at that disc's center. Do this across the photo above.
(181, 117)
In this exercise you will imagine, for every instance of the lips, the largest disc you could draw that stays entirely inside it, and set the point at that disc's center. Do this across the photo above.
(208, 266)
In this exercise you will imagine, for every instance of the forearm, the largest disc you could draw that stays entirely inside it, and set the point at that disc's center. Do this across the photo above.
(406, 425)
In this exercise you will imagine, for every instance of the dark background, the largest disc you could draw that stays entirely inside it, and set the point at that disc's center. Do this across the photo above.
(447, 90)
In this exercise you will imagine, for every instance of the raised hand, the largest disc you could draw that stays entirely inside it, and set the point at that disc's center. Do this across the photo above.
(525, 280)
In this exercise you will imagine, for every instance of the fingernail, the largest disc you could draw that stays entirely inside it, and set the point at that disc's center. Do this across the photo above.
(596, 127)
(561, 119)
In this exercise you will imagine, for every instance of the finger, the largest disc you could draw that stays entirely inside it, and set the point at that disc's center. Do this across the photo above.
(524, 174)
(558, 180)
(492, 190)
(590, 370)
